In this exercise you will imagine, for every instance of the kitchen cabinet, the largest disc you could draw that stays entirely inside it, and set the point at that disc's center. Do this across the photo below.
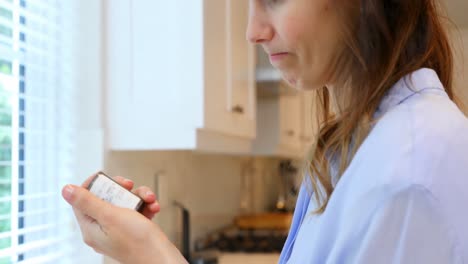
(179, 75)
(290, 122)
(232, 111)
(309, 122)
(285, 125)
(459, 40)
(249, 258)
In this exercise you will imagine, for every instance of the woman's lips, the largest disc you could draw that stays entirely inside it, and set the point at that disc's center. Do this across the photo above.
(274, 57)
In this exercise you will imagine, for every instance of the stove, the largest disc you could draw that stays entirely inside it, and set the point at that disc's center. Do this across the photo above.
(259, 241)
(234, 243)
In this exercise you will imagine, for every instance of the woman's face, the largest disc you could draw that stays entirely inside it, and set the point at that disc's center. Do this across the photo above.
(301, 38)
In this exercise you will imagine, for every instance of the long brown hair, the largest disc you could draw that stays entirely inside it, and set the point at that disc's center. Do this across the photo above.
(386, 40)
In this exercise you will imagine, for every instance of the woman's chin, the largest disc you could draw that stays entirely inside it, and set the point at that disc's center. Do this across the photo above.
(297, 84)
(292, 82)
(300, 83)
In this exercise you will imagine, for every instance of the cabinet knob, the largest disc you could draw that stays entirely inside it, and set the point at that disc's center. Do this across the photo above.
(290, 133)
(238, 109)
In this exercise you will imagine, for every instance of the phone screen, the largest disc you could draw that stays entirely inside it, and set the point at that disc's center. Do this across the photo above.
(110, 191)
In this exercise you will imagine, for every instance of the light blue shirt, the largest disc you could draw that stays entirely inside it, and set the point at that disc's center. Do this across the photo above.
(404, 197)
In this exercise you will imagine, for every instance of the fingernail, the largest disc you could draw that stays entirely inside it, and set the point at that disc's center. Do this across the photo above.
(129, 181)
(155, 206)
(149, 193)
(68, 191)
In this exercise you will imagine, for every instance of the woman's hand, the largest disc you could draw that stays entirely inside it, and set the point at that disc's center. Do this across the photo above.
(120, 233)
(151, 207)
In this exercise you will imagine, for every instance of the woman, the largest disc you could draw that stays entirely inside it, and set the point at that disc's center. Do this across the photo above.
(386, 177)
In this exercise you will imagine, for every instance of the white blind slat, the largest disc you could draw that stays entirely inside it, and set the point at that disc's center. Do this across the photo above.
(37, 147)
(34, 229)
(38, 213)
(26, 197)
(50, 258)
(24, 248)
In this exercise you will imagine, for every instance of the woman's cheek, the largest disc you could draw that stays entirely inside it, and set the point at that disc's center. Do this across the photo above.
(291, 31)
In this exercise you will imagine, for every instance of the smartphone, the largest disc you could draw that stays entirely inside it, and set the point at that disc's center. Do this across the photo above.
(110, 191)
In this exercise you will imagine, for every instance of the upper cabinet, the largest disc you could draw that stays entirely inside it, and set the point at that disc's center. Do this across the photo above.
(230, 69)
(179, 75)
(286, 125)
(309, 124)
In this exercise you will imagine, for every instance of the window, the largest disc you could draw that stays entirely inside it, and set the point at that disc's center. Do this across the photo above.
(36, 131)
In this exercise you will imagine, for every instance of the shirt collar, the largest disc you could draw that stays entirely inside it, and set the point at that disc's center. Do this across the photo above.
(415, 82)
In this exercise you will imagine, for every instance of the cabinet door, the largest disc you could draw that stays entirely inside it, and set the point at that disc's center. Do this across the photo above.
(240, 62)
(248, 258)
(117, 59)
(290, 122)
(230, 105)
(309, 120)
(180, 75)
(167, 63)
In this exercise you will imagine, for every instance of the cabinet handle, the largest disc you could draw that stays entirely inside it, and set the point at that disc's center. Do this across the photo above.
(290, 133)
(238, 109)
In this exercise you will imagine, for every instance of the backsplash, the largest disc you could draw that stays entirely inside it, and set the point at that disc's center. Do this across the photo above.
(208, 185)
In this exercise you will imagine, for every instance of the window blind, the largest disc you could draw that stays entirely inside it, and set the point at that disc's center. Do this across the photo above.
(36, 131)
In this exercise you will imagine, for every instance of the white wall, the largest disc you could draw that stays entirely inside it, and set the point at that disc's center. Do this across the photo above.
(89, 148)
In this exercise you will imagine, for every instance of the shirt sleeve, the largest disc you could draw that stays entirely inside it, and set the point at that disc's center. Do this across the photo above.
(408, 227)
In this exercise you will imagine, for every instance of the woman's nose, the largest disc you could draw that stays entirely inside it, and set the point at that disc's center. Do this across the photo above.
(258, 31)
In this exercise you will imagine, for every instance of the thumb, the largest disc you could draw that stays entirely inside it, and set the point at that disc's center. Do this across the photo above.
(86, 202)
